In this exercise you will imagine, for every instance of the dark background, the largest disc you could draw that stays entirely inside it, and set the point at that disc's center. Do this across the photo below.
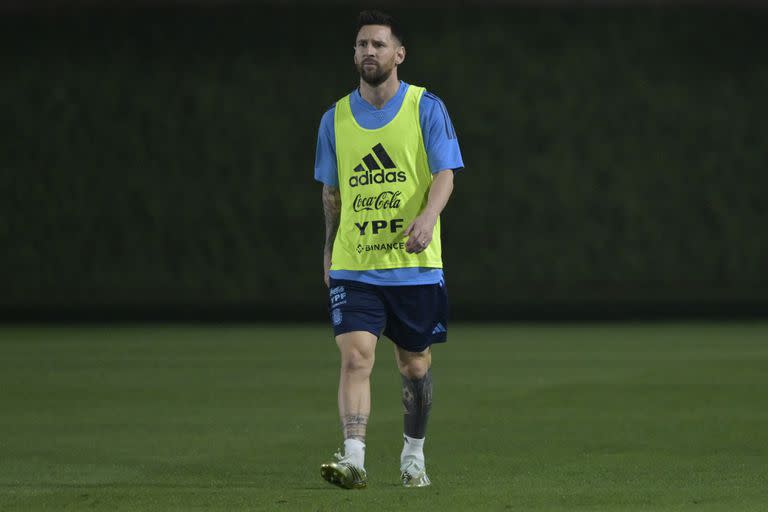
(156, 162)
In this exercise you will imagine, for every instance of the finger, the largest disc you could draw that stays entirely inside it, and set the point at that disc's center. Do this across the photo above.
(416, 244)
(413, 242)
(415, 232)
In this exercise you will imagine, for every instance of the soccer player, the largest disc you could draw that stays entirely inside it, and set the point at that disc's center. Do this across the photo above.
(386, 155)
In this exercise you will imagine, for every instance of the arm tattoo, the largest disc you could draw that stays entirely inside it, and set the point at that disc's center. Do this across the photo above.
(332, 210)
(354, 426)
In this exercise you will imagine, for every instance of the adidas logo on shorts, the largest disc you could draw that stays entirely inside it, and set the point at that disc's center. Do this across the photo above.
(439, 328)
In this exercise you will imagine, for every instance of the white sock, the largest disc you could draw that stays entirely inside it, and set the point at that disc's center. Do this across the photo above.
(354, 450)
(412, 447)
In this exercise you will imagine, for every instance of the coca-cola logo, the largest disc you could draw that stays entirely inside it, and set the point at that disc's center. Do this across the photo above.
(384, 201)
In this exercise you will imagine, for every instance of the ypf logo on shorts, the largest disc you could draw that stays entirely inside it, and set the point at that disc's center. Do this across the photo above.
(338, 296)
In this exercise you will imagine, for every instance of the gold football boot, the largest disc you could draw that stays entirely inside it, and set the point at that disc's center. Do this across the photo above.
(413, 473)
(344, 474)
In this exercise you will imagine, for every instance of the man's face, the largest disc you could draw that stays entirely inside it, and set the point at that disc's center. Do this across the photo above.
(377, 53)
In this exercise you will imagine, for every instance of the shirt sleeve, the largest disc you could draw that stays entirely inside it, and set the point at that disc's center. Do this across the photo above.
(326, 170)
(440, 139)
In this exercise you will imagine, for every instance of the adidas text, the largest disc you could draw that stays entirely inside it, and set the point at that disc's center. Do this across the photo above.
(380, 177)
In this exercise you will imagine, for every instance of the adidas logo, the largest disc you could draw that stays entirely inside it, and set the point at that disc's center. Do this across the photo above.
(367, 174)
(439, 328)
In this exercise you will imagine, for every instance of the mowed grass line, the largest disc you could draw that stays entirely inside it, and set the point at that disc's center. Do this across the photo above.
(628, 417)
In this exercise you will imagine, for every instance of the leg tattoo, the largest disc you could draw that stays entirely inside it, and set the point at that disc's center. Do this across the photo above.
(417, 401)
(354, 426)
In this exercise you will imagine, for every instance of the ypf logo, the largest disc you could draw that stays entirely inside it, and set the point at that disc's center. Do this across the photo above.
(368, 174)
(394, 225)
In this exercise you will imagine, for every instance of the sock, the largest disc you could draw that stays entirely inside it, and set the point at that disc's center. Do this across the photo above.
(412, 447)
(354, 450)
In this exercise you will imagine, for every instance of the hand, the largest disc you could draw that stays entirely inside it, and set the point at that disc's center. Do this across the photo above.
(326, 268)
(419, 232)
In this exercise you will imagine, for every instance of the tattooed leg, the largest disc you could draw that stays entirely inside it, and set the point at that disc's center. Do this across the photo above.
(354, 426)
(417, 390)
(357, 357)
(417, 402)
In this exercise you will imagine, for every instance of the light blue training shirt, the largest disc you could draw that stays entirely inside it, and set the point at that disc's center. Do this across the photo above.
(443, 153)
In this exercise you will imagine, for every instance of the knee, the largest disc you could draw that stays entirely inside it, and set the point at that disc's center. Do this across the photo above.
(415, 368)
(356, 361)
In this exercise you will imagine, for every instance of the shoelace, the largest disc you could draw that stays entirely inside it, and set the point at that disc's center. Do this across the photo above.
(340, 457)
(412, 470)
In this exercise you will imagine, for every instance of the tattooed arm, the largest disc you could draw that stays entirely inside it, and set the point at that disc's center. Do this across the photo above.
(332, 210)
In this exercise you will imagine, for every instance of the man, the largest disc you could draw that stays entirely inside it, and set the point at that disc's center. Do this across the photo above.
(386, 156)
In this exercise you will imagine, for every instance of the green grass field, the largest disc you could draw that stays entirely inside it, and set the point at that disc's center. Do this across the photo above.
(622, 417)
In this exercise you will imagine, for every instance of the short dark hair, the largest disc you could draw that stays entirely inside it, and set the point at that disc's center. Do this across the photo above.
(380, 18)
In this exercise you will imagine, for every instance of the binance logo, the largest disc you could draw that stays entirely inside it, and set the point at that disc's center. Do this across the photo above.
(380, 169)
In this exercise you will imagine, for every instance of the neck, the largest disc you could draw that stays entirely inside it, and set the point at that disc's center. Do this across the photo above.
(379, 95)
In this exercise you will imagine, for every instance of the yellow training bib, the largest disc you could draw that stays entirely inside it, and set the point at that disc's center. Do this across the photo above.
(384, 180)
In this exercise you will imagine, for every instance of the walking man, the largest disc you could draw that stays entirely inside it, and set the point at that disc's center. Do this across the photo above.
(386, 155)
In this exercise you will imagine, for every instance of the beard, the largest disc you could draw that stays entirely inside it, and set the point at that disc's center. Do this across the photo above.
(376, 76)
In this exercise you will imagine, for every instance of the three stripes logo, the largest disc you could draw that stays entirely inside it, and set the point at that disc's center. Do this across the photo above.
(378, 171)
(439, 328)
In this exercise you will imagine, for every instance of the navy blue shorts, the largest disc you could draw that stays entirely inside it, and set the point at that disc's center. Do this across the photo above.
(414, 316)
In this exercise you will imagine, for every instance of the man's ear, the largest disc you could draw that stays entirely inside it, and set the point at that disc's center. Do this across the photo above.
(400, 55)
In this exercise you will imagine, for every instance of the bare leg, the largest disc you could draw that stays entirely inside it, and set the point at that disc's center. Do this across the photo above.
(357, 350)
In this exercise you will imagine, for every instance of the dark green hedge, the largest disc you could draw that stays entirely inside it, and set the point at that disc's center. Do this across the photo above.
(165, 157)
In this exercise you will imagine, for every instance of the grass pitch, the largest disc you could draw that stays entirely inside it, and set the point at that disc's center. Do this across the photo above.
(670, 417)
